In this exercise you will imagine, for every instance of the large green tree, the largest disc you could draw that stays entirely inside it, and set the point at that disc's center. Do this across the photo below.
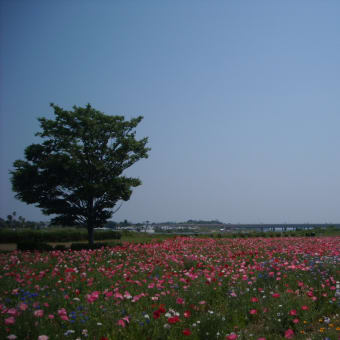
(76, 173)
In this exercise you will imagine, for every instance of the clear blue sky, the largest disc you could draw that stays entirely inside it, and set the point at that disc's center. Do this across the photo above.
(241, 100)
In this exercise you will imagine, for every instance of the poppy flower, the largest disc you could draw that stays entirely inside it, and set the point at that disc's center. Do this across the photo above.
(186, 331)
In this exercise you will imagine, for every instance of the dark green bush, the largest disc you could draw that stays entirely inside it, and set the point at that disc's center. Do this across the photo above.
(55, 235)
(114, 244)
(86, 246)
(32, 245)
(60, 247)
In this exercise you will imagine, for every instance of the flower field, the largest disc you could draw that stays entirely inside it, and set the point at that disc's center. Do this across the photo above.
(182, 288)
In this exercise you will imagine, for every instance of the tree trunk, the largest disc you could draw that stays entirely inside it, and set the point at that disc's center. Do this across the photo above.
(90, 222)
(90, 234)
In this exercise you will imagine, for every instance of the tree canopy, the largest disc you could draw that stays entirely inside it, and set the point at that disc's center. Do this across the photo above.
(76, 173)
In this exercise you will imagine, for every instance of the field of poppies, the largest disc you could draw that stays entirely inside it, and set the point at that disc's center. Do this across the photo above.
(182, 288)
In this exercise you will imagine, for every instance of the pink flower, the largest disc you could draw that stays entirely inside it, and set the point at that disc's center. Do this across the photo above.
(231, 336)
(119, 296)
(276, 295)
(10, 320)
(92, 297)
(62, 311)
(293, 312)
(304, 307)
(121, 323)
(12, 311)
(108, 294)
(296, 320)
(43, 337)
(253, 311)
(289, 333)
(38, 313)
(23, 306)
(254, 299)
(187, 314)
(63, 314)
(51, 316)
(180, 301)
(12, 337)
(261, 339)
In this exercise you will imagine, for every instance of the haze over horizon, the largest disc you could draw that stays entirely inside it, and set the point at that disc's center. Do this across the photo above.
(241, 101)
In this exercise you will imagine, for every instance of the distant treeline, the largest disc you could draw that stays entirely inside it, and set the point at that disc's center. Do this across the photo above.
(14, 222)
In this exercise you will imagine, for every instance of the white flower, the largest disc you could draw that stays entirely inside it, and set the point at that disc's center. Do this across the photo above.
(166, 326)
(70, 331)
(12, 337)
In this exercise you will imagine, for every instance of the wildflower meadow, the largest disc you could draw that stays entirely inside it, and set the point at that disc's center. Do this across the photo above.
(179, 288)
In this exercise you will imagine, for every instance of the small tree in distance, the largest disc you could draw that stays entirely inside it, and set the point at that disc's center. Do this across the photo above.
(76, 173)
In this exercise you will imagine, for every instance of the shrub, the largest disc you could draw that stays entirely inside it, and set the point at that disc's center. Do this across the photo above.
(81, 246)
(32, 245)
(60, 247)
(55, 235)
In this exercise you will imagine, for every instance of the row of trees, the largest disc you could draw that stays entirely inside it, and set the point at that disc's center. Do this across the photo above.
(14, 222)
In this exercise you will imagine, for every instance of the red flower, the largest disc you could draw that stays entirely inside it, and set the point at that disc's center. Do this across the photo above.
(187, 314)
(173, 319)
(186, 331)
(156, 314)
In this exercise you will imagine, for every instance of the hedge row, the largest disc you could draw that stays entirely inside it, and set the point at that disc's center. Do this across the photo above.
(39, 246)
(56, 235)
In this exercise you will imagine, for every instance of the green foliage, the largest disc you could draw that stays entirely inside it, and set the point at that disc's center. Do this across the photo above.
(76, 173)
(60, 247)
(33, 245)
(82, 246)
(56, 235)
